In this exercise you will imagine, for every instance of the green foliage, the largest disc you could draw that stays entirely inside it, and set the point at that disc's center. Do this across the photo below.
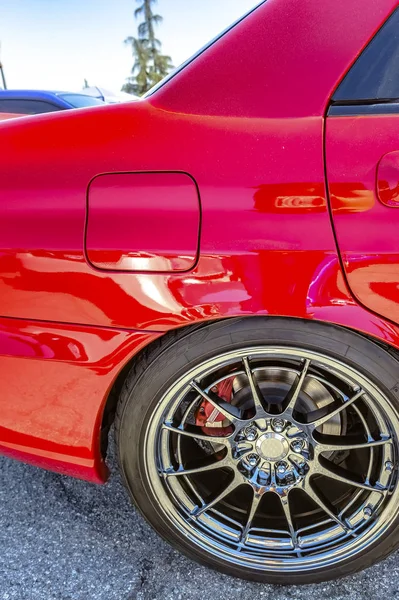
(150, 65)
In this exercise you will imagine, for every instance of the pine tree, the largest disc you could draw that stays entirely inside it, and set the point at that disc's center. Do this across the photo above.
(150, 65)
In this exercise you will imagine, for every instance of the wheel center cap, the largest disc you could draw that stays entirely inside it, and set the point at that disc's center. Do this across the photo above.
(272, 446)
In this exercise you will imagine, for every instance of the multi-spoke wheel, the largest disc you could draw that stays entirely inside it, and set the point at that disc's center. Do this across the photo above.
(266, 448)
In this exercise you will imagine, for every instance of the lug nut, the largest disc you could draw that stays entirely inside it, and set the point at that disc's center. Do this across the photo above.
(263, 477)
(367, 511)
(252, 460)
(250, 434)
(297, 445)
(289, 477)
(281, 468)
(389, 466)
(278, 425)
(303, 468)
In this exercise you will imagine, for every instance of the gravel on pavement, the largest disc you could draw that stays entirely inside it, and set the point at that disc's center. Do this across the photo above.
(64, 539)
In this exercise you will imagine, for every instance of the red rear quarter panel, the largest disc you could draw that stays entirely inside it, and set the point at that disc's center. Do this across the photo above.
(245, 120)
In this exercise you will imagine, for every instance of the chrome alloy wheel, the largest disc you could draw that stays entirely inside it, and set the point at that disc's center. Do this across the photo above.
(297, 470)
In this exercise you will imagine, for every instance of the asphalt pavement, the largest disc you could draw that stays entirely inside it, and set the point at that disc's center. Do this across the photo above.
(64, 539)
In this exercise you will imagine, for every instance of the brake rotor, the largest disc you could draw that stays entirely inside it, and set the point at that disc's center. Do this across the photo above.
(275, 384)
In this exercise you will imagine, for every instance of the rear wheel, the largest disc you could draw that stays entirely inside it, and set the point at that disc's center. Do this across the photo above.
(266, 448)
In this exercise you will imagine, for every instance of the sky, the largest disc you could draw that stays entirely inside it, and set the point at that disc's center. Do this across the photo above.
(56, 44)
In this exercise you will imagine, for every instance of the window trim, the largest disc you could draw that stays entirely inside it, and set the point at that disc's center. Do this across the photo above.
(355, 110)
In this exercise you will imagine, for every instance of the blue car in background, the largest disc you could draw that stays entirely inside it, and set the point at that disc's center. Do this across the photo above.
(34, 102)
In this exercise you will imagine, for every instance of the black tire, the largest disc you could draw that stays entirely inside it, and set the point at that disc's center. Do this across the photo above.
(175, 353)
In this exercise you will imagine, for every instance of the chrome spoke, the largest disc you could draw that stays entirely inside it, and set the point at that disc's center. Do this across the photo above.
(324, 447)
(219, 407)
(287, 513)
(296, 389)
(337, 411)
(237, 481)
(182, 471)
(251, 515)
(256, 393)
(321, 470)
(359, 492)
(179, 455)
(225, 439)
(317, 500)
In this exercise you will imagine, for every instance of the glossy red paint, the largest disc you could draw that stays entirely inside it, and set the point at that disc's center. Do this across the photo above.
(54, 379)
(367, 226)
(252, 139)
(135, 222)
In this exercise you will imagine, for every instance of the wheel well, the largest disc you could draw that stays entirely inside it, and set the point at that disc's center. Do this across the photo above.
(113, 396)
(175, 334)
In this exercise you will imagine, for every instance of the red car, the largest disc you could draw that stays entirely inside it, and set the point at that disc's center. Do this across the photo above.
(6, 116)
(215, 270)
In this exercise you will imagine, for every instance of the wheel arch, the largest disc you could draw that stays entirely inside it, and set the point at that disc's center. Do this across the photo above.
(110, 405)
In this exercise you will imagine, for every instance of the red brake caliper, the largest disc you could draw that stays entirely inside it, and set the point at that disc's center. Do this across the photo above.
(211, 421)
